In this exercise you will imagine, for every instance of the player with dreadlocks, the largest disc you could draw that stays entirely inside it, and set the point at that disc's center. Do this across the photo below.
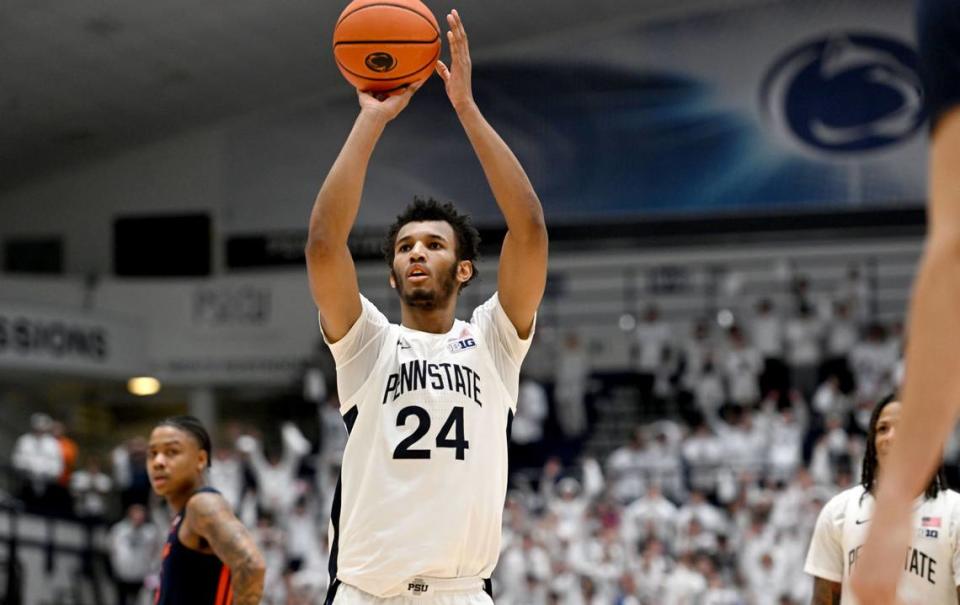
(931, 569)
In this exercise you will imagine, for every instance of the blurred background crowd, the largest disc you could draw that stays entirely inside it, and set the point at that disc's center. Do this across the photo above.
(693, 478)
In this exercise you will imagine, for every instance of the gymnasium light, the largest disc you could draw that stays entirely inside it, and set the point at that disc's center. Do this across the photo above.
(143, 386)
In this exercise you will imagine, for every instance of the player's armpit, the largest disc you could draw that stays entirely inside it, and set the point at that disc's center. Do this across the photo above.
(825, 592)
(209, 516)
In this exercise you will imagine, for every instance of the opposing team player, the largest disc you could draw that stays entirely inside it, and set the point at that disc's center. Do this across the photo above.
(209, 557)
(930, 566)
(427, 402)
(931, 393)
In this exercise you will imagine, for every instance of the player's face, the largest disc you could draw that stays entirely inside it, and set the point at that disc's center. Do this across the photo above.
(886, 430)
(174, 460)
(425, 268)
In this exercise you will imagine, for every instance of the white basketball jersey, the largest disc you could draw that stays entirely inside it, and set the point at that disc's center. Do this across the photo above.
(931, 567)
(424, 472)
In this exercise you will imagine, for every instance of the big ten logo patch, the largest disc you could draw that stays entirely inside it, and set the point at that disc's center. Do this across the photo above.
(462, 345)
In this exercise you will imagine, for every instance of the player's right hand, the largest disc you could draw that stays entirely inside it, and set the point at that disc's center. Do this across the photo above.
(387, 107)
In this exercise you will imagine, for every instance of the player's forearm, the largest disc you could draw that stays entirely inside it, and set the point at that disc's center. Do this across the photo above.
(510, 185)
(338, 201)
(237, 550)
(932, 385)
(247, 584)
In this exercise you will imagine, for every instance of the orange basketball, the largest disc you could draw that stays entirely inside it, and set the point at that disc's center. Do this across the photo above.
(383, 45)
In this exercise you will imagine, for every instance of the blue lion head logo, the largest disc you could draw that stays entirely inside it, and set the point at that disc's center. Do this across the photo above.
(845, 93)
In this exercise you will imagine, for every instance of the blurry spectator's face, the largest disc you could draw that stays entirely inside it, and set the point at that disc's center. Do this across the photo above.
(41, 424)
(137, 447)
(174, 460)
(886, 430)
(137, 514)
(655, 548)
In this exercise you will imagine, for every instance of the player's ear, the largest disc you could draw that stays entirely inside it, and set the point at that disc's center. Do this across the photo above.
(464, 271)
(202, 459)
(393, 280)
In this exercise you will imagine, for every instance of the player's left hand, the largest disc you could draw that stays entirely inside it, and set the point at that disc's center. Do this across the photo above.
(880, 564)
(456, 78)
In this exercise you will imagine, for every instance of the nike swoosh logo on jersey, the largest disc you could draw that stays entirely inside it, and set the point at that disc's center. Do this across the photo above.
(859, 522)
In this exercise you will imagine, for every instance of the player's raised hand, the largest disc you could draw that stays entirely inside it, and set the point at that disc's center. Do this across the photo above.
(387, 106)
(456, 78)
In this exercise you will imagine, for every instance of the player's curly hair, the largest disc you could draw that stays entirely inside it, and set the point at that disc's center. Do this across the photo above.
(193, 427)
(468, 238)
(868, 476)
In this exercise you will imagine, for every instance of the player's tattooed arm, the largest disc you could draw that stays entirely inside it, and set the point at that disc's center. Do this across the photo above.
(825, 592)
(210, 517)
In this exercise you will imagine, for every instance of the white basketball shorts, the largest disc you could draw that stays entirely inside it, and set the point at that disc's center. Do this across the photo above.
(421, 591)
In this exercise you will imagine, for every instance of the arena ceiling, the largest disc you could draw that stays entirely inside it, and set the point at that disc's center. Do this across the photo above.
(85, 78)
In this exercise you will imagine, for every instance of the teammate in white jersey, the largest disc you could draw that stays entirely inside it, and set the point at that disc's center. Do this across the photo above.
(931, 563)
(428, 402)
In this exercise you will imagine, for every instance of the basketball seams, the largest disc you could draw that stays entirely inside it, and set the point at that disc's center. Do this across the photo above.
(374, 79)
(401, 6)
(349, 42)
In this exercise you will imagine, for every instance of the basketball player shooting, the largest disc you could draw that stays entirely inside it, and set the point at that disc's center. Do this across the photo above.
(427, 402)
(931, 564)
(931, 392)
(210, 557)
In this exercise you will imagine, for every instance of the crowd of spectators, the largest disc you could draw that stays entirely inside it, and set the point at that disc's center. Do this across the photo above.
(759, 417)
(763, 418)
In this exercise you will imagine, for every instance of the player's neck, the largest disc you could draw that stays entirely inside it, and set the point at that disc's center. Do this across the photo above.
(438, 320)
(177, 501)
